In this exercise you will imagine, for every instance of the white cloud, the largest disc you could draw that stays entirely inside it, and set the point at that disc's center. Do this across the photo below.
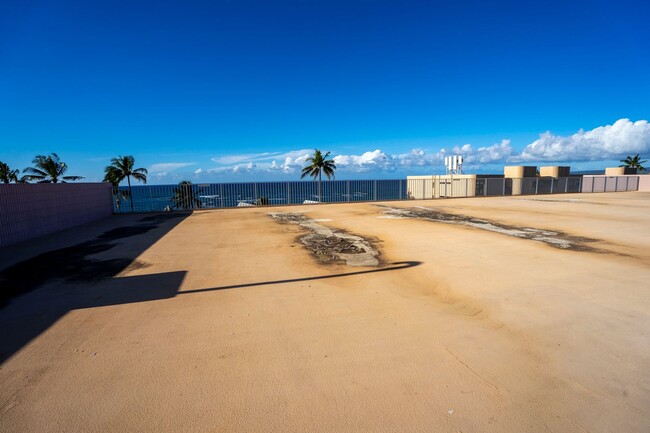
(379, 160)
(166, 167)
(498, 152)
(292, 161)
(198, 171)
(234, 159)
(622, 138)
(415, 158)
(367, 160)
(244, 168)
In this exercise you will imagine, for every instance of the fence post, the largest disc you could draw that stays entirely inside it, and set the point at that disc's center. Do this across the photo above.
(627, 183)
(288, 192)
(504, 187)
(485, 186)
(616, 184)
(536, 185)
(566, 184)
(400, 189)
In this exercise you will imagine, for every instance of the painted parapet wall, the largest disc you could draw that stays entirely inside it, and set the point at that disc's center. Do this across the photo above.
(31, 210)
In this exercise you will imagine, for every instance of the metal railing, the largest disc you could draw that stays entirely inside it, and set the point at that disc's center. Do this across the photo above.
(157, 198)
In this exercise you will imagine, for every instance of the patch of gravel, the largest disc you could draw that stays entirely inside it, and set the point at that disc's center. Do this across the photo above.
(332, 246)
(552, 238)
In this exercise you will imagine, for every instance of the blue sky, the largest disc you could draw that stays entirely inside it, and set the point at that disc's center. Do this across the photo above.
(241, 91)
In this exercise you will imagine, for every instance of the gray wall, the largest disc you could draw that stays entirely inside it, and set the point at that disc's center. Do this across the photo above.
(31, 210)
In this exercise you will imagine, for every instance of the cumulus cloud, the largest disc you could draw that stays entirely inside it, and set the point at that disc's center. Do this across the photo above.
(379, 160)
(498, 152)
(366, 160)
(166, 167)
(198, 171)
(622, 138)
(415, 158)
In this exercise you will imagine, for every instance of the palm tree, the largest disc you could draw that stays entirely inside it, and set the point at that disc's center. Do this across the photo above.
(185, 196)
(121, 168)
(112, 177)
(633, 162)
(319, 164)
(48, 169)
(8, 175)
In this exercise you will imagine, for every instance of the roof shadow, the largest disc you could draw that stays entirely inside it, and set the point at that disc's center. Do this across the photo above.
(30, 315)
(76, 277)
(87, 281)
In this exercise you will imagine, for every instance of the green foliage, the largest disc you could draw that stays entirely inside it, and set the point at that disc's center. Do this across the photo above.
(262, 201)
(48, 169)
(633, 162)
(8, 175)
(186, 196)
(122, 168)
(319, 164)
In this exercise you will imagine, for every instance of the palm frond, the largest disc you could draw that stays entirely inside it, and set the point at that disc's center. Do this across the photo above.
(34, 172)
(48, 168)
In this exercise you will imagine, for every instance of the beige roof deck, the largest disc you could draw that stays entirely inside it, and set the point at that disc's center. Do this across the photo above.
(224, 322)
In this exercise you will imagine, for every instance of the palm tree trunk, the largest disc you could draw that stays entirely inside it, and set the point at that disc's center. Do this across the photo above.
(128, 180)
(319, 187)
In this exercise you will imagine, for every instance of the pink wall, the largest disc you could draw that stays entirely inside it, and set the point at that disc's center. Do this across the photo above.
(605, 183)
(644, 182)
(31, 210)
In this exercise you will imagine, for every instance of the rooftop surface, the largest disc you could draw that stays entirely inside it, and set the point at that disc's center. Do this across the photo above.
(504, 314)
